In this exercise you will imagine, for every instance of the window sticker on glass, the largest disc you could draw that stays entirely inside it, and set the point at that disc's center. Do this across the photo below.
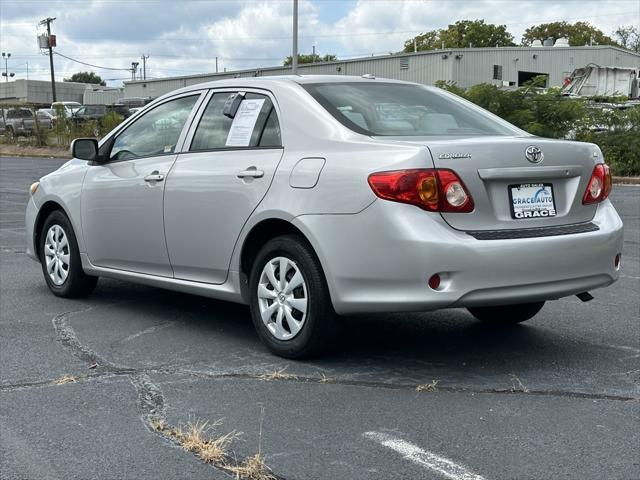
(244, 122)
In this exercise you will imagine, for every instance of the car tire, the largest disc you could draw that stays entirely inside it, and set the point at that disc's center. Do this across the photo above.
(506, 314)
(60, 259)
(295, 319)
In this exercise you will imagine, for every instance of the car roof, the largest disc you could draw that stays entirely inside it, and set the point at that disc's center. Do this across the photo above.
(285, 80)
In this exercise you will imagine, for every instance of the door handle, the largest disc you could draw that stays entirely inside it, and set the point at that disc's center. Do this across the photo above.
(251, 172)
(154, 176)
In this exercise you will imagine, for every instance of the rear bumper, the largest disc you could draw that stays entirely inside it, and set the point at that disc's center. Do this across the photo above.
(381, 259)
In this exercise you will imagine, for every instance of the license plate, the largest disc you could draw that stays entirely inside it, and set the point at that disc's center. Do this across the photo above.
(532, 200)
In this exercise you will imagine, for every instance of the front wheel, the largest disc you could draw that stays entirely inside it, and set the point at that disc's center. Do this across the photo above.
(60, 259)
(506, 314)
(289, 299)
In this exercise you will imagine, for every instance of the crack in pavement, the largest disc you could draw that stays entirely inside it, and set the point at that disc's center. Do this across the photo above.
(66, 335)
(150, 397)
(146, 331)
(179, 370)
(168, 370)
(151, 400)
(412, 386)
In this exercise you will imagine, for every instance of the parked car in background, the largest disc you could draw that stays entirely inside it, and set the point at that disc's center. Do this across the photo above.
(69, 107)
(21, 121)
(311, 196)
(96, 112)
(48, 113)
(135, 102)
(45, 120)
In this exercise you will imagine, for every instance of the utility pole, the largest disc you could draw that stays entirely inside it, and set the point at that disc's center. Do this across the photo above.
(216, 64)
(313, 58)
(6, 73)
(294, 53)
(144, 66)
(47, 21)
(134, 69)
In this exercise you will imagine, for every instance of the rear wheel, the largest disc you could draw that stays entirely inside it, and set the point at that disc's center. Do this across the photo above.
(290, 303)
(506, 314)
(60, 259)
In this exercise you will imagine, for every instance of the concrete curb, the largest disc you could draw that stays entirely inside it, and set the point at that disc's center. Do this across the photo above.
(34, 153)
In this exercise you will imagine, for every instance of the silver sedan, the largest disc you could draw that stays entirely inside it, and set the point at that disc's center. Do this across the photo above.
(311, 197)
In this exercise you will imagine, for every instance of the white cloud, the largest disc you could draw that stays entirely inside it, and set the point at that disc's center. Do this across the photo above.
(184, 37)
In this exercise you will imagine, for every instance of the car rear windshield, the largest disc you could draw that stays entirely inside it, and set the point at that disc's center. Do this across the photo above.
(396, 109)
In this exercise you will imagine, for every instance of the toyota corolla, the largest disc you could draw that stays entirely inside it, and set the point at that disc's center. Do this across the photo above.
(310, 197)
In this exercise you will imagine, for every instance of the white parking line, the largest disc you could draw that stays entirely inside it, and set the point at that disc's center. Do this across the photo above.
(423, 458)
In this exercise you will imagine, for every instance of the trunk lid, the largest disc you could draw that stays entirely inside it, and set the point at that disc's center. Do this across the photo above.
(494, 170)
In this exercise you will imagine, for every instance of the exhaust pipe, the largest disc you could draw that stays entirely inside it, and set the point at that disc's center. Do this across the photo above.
(585, 296)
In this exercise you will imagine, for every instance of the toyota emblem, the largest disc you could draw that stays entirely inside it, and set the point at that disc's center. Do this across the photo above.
(534, 154)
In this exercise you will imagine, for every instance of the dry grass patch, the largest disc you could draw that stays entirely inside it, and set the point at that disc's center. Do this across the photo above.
(66, 379)
(278, 375)
(517, 385)
(158, 424)
(428, 387)
(253, 468)
(195, 438)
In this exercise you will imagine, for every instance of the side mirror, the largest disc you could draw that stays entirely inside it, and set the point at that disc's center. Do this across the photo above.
(85, 149)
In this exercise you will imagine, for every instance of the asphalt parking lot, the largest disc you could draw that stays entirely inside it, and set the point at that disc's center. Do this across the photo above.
(557, 397)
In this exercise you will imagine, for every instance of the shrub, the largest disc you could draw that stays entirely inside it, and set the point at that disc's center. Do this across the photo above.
(110, 121)
(545, 113)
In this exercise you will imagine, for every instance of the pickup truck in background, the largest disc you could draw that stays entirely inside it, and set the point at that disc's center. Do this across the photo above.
(21, 121)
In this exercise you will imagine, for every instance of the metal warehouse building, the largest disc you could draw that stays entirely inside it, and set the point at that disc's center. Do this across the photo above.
(505, 66)
(39, 92)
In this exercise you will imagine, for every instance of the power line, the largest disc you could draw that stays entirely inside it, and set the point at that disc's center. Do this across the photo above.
(91, 65)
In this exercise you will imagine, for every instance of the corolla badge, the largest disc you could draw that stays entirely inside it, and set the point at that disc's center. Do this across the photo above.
(534, 154)
(446, 156)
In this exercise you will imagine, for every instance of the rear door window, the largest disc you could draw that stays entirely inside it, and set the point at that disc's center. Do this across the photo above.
(216, 131)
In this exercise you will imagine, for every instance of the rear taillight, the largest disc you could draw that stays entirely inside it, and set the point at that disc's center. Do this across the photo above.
(432, 189)
(599, 185)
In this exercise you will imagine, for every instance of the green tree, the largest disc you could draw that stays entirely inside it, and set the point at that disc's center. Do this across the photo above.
(579, 33)
(629, 37)
(304, 58)
(462, 34)
(86, 77)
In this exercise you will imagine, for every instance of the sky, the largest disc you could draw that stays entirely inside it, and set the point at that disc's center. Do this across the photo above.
(183, 37)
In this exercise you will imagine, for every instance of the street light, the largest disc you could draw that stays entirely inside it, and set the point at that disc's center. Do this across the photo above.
(6, 73)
